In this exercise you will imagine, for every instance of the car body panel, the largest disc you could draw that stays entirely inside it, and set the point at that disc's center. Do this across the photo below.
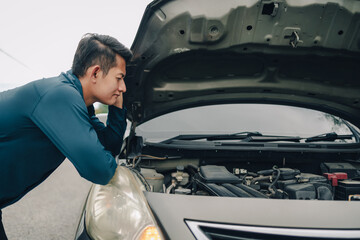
(188, 54)
(173, 210)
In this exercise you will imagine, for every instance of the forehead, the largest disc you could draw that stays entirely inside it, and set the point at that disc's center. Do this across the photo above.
(120, 67)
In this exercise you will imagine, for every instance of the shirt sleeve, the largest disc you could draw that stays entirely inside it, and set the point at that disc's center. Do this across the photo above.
(111, 136)
(62, 116)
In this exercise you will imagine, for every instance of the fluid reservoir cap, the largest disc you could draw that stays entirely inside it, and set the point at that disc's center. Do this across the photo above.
(183, 191)
(180, 168)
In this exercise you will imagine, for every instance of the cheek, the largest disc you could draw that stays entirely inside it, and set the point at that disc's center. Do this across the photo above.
(109, 87)
(113, 85)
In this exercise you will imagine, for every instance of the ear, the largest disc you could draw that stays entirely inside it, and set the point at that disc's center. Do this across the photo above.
(95, 73)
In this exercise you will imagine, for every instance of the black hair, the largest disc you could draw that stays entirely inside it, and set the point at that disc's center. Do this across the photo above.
(98, 49)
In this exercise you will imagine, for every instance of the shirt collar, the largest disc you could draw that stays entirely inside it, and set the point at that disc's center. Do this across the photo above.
(69, 75)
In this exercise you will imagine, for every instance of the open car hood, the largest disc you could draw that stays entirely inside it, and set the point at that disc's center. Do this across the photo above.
(300, 53)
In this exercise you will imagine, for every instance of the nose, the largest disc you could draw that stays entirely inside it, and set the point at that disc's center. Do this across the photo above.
(122, 86)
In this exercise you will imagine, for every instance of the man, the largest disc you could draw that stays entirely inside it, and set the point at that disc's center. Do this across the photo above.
(47, 120)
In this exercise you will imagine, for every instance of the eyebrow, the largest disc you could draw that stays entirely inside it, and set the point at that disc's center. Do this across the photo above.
(122, 75)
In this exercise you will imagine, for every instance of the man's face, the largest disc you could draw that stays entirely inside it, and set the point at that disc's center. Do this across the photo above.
(109, 87)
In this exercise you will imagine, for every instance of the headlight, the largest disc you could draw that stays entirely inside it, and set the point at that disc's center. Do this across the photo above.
(119, 210)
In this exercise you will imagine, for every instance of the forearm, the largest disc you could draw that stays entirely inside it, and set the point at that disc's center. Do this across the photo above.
(111, 136)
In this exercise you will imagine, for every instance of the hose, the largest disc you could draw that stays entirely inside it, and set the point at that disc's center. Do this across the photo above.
(141, 178)
(136, 163)
(271, 188)
(261, 178)
(168, 190)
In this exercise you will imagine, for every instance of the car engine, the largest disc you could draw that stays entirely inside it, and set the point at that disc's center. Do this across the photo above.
(278, 183)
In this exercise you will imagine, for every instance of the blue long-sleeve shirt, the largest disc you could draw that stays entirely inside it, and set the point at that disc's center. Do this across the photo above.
(47, 120)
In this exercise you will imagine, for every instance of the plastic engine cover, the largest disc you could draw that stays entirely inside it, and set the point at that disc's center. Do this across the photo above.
(217, 174)
(301, 191)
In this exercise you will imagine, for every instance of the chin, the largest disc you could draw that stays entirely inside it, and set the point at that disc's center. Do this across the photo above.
(108, 102)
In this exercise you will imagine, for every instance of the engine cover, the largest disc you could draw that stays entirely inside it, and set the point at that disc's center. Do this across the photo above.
(218, 181)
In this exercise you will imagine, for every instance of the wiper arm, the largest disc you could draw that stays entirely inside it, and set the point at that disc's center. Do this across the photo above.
(332, 136)
(244, 136)
(212, 137)
(253, 137)
(234, 136)
(268, 138)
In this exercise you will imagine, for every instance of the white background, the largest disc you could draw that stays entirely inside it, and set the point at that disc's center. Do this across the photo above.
(38, 38)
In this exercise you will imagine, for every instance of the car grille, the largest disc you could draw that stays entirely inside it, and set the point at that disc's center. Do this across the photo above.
(217, 231)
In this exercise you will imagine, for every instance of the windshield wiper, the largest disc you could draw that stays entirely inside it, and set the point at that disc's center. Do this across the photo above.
(332, 136)
(243, 136)
(256, 137)
(233, 136)
(212, 137)
(252, 137)
(269, 138)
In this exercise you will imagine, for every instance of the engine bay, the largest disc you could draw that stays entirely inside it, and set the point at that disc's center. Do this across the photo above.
(335, 181)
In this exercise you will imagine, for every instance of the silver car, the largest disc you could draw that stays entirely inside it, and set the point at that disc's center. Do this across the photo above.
(245, 119)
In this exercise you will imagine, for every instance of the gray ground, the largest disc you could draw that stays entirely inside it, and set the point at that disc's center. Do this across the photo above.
(52, 210)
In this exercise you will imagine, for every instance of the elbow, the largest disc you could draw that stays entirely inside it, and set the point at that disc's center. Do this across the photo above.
(100, 170)
(104, 177)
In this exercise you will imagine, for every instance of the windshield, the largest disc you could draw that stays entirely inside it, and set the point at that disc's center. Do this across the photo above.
(233, 118)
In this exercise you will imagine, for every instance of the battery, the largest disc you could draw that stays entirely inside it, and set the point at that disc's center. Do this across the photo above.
(339, 167)
(347, 188)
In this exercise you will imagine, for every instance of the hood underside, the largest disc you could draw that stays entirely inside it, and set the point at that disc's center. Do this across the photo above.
(301, 53)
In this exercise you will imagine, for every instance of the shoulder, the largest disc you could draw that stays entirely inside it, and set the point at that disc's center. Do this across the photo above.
(59, 94)
(57, 89)
(58, 84)
(27, 97)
